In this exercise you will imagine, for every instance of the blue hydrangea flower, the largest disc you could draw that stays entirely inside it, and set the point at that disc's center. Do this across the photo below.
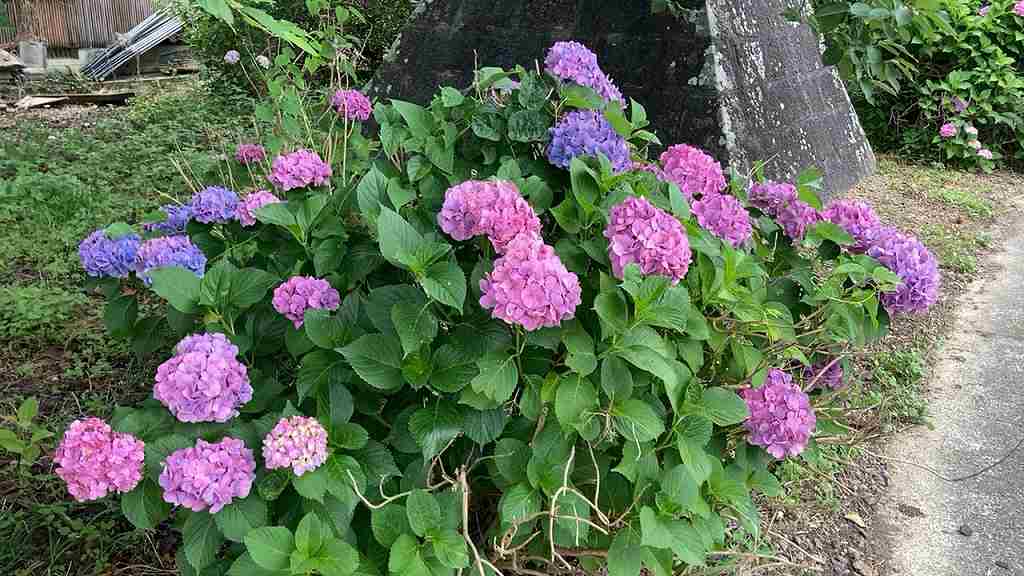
(585, 133)
(214, 204)
(106, 257)
(177, 218)
(169, 251)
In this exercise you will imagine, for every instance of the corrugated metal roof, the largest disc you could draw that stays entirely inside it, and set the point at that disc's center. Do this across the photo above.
(80, 23)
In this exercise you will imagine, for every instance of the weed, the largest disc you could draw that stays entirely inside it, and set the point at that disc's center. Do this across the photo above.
(36, 312)
(956, 251)
(897, 381)
(966, 200)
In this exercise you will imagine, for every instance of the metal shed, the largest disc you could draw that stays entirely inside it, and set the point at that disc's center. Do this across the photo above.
(73, 24)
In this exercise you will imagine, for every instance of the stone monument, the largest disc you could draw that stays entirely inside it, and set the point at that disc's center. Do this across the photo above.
(734, 77)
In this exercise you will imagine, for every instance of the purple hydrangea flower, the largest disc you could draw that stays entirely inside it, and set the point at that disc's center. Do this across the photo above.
(208, 343)
(959, 104)
(983, 11)
(692, 170)
(298, 442)
(301, 293)
(494, 208)
(824, 374)
(232, 56)
(214, 204)
(106, 257)
(1018, 8)
(796, 218)
(299, 169)
(857, 218)
(93, 460)
(250, 153)
(781, 418)
(574, 62)
(655, 240)
(948, 130)
(587, 133)
(177, 217)
(206, 384)
(352, 105)
(251, 203)
(208, 475)
(530, 286)
(916, 266)
(771, 197)
(169, 251)
(724, 216)
(985, 153)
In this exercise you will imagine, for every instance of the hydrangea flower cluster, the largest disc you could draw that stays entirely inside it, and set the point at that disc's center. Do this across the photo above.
(494, 208)
(648, 167)
(251, 203)
(214, 204)
(652, 238)
(829, 374)
(177, 217)
(574, 62)
(857, 218)
(208, 475)
(916, 266)
(93, 460)
(971, 130)
(1018, 8)
(232, 56)
(263, 61)
(983, 11)
(771, 197)
(948, 130)
(106, 257)
(301, 293)
(299, 169)
(960, 105)
(724, 216)
(692, 170)
(587, 133)
(796, 218)
(169, 251)
(203, 381)
(298, 442)
(781, 418)
(530, 286)
(352, 105)
(985, 153)
(250, 153)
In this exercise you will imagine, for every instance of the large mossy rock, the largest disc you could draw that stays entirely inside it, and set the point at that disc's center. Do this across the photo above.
(731, 76)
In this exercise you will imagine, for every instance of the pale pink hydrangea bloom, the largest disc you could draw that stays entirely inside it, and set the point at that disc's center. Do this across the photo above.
(251, 203)
(655, 240)
(93, 460)
(208, 476)
(298, 442)
(301, 293)
(985, 153)
(208, 343)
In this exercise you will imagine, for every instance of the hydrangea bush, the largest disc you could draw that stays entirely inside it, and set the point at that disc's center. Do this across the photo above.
(511, 343)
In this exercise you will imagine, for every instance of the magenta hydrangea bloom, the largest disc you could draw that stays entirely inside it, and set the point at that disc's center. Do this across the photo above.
(169, 251)
(781, 418)
(208, 476)
(251, 203)
(299, 169)
(857, 218)
(208, 343)
(250, 153)
(1018, 8)
(232, 56)
(530, 286)
(494, 208)
(301, 293)
(298, 442)
(214, 204)
(587, 133)
(574, 62)
(205, 384)
(106, 257)
(796, 217)
(93, 460)
(771, 197)
(828, 374)
(724, 216)
(640, 233)
(352, 105)
(916, 266)
(985, 153)
(948, 130)
(177, 217)
(692, 170)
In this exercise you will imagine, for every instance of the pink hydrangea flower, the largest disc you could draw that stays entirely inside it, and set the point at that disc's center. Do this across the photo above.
(251, 203)
(301, 293)
(208, 475)
(971, 130)
(655, 240)
(93, 460)
(857, 218)
(974, 144)
(208, 343)
(250, 153)
(299, 169)
(724, 216)
(205, 384)
(916, 266)
(352, 104)
(948, 130)
(693, 170)
(781, 418)
(297, 442)
(985, 153)
(824, 374)
(796, 217)
(771, 197)
(494, 208)
(1018, 8)
(530, 286)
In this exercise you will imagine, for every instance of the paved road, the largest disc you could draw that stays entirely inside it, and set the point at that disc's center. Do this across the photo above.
(976, 403)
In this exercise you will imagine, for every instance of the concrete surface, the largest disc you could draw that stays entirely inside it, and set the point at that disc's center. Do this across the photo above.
(976, 402)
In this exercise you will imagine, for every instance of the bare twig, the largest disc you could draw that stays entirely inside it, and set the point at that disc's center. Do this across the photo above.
(940, 476)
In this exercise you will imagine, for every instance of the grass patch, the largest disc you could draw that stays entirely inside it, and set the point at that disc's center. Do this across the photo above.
(966, 200)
